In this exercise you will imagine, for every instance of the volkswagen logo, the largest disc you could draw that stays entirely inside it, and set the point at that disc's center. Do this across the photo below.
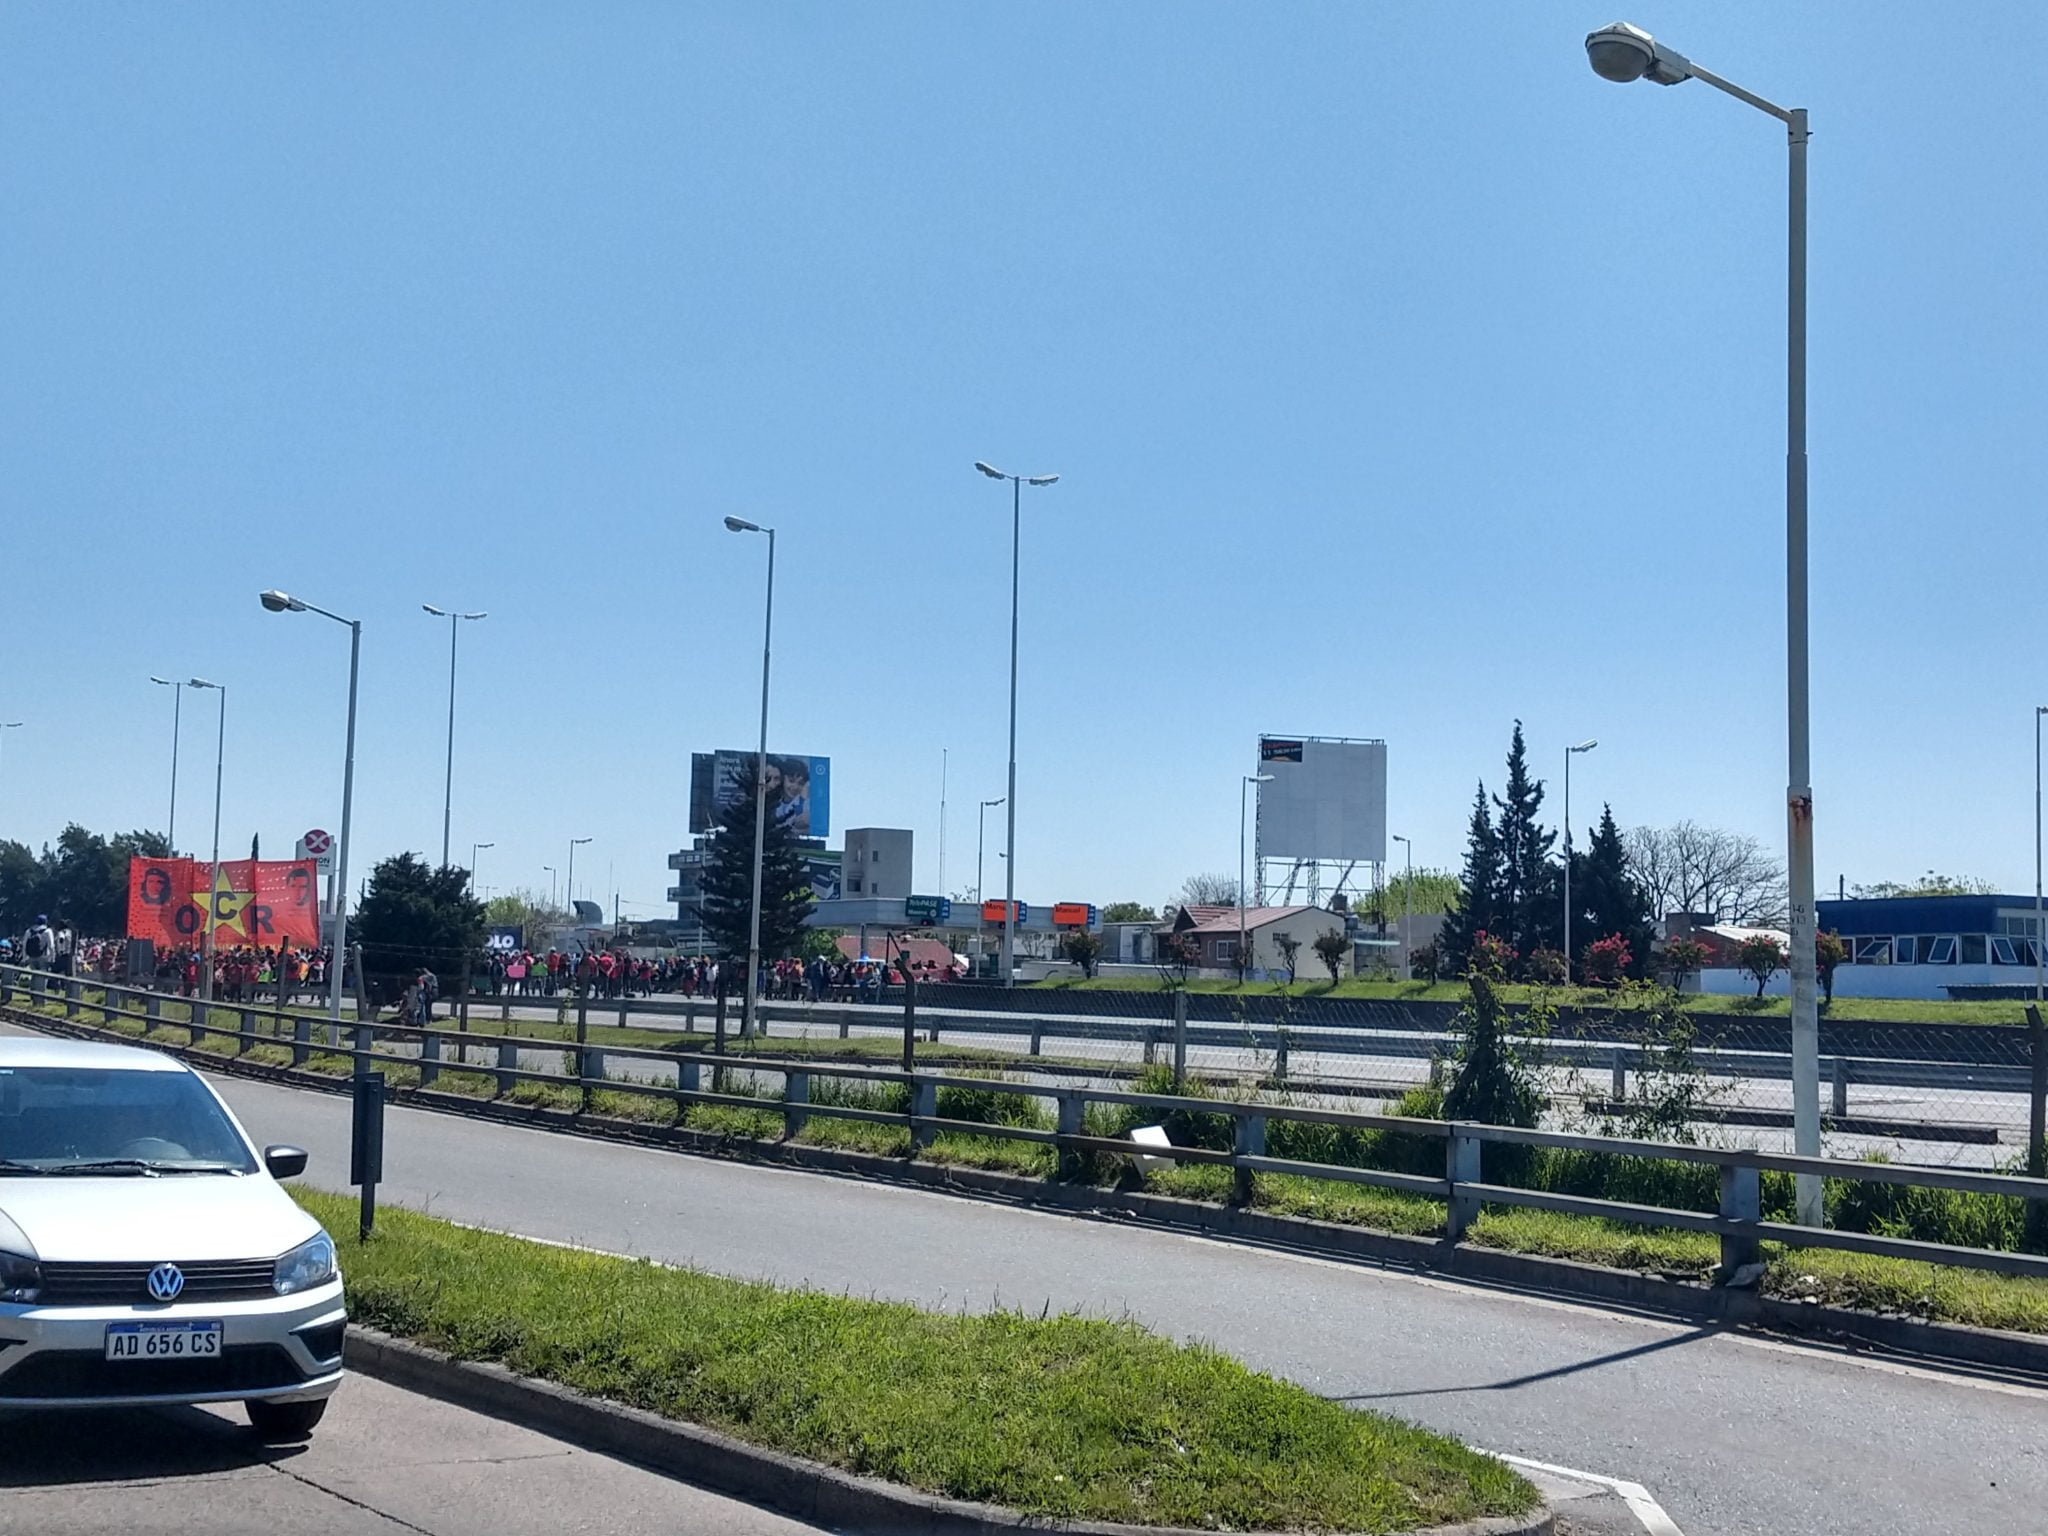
(166, 1281)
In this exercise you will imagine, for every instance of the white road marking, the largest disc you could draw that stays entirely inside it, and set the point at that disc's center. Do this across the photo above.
(1646, 1509)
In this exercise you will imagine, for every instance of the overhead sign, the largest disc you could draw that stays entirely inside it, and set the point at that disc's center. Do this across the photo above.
(1323, 798)
(1073, 914)
(992, 912)
(929, 911)
(255, 903)
(319, 847)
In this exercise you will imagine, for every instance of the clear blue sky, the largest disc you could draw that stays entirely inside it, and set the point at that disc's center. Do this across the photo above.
(1404, 377)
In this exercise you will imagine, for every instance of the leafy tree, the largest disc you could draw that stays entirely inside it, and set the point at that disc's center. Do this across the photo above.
(1684, 957)
(1332, 948)
(1179, 952)
(416, 917)
(1429, 892)
(1546, 966)
(1761, 957)
(1492, 1082)
(1208, 891)
(1529, 915)
(1474, 912)
(786, 895)
(524, 909)
(1929, 884)
(1084, 949)
(1606, 896)
(1290, 950)
(1722, 875)
(1129, 912)
(1491, 957)
(84, 879)
(1828, 952)
(821, 944)
(1426, 961)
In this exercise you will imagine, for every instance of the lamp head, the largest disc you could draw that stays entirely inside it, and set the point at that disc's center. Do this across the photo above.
(163, 680)
(1041, 479)
(741, 525)
(280, 602)
(990, 470)
(1624, 53)
(1585, 746)
(200, 682)
(439, 613)
(1258, 778)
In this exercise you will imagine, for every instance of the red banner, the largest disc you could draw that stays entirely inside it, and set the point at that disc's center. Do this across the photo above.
(257, 904)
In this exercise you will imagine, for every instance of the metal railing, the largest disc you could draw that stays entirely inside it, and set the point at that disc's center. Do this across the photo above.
(1738, 1223)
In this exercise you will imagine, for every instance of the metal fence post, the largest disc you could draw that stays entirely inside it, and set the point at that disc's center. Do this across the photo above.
(589, 1069)
(2036, 1232)
(924, 1103)
(1180, 1040)
(1621, 1074)
(302, 1039)
(430, 1057)
(1838, 1101)
(245, 1037)
(1741, 1200)
(796, 1093)
(1037, 1037)
(1071, 1107)
(1150, 1055)
(845, 1024)
(1249, 1140)
(152, 1011)
(687, 1076)
(71, 993)
(910, 1025)
(365, 1042)
(508, 1063)
(1461, 1166)
(1280, 1057)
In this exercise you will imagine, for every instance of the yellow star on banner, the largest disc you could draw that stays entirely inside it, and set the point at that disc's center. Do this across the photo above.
(228, 905)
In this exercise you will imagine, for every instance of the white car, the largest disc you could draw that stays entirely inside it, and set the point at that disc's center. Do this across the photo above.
(147, 1253)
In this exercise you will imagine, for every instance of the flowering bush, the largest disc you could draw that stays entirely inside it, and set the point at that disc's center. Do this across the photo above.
(1490, 957)
(1685, 957)
(1546, 965)
(1607, 959)
(1762, 957)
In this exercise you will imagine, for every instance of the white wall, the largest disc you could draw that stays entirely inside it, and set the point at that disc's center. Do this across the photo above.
(1926, 981)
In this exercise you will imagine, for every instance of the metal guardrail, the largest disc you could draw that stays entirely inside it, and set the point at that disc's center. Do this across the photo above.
(1738, 1223)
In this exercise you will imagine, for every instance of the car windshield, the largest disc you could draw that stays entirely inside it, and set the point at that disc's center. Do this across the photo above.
(57, 1120)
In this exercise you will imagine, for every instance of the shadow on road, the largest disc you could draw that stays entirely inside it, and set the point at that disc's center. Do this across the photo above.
(1512, 1382)
(114, 1445)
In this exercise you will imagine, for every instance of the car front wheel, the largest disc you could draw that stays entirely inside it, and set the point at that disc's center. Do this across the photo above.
(281, 1423)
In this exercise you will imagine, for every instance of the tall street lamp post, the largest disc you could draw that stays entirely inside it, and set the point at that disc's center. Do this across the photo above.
(980, 841)
(177, 688)
(474, 850)
(1243, 958)
(1017, 484)
(1569, 754)
(741, 525)
(455, 622)
(1624, 53)
(2040, 937)
(280, 602)
(569, 881)
(9, 725)
(213, 880)
(1407, 898)
(549, 871)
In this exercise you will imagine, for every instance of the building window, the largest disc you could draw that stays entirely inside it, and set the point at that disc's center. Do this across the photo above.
(855, 885)
(1902, 949)
(1226, 951)
(1975, 948)
(1939, 951)
(1874, 951)
(2002, 951)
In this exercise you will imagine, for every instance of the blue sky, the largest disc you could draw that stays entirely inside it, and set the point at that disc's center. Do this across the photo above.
(1404, 379)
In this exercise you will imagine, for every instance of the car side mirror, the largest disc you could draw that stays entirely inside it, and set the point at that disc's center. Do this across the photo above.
(284, 1162)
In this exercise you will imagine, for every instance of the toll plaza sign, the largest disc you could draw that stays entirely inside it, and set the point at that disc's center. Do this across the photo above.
(993, 912)
(927, 911)
(1074, 914)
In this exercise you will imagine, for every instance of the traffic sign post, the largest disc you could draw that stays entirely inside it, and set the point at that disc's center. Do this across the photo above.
(927, 911)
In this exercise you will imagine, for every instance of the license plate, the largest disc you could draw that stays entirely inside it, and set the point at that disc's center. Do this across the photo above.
(163, 1341)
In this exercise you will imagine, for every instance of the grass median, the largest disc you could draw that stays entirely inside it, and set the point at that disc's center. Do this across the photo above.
(1062, 1417)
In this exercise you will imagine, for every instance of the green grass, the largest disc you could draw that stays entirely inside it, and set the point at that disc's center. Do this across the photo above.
(1063, 1417)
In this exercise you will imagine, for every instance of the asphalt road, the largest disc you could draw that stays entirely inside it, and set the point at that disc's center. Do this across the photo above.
(1734, 1435)
(382, 1463)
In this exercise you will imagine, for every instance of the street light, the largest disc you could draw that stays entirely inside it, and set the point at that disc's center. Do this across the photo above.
(1407, 896)
(2039, 937)
(1621, 52)
(213, 880)
(569, 885)
(474, 850)
(1017, 484)
(177, 711)
(1569, 753)
(279, 602)
(980, 839)
(1243, 960)
(549, 870)
(455, 622)
(741, 525)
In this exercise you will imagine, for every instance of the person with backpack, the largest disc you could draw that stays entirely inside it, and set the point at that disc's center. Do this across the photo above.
(65, 948)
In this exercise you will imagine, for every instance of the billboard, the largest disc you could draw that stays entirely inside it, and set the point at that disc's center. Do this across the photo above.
(1327, 799)
(799, 789)
(258, 903)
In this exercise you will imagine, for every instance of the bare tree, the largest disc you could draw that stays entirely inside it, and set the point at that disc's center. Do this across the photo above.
(1725, 875)
(1208, 891)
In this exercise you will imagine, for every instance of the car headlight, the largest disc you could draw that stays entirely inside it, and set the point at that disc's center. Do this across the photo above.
(308, 1265)
(21, 1278)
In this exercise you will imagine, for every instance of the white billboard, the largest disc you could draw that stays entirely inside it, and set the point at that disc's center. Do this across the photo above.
(1327, 799)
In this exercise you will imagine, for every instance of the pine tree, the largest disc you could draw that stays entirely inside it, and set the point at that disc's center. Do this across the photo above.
(1475, 912)
(1606, 897)
(1528, 902)
(786, 898)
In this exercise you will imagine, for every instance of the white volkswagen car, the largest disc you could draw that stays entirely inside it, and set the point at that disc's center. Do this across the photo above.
(147, 1254)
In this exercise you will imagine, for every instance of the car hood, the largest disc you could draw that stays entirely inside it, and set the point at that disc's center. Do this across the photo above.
(180, 1217)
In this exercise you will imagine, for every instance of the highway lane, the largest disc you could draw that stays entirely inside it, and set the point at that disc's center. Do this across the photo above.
(1734, 1435)
(383, 1463)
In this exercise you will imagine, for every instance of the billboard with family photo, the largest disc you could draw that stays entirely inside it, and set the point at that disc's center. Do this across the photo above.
(799, 789)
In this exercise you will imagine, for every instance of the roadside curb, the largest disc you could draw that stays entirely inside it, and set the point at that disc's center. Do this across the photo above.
(1568, 1280)
(803, 1490)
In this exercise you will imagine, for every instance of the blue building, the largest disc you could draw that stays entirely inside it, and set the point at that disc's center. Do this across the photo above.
(1949, 941)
